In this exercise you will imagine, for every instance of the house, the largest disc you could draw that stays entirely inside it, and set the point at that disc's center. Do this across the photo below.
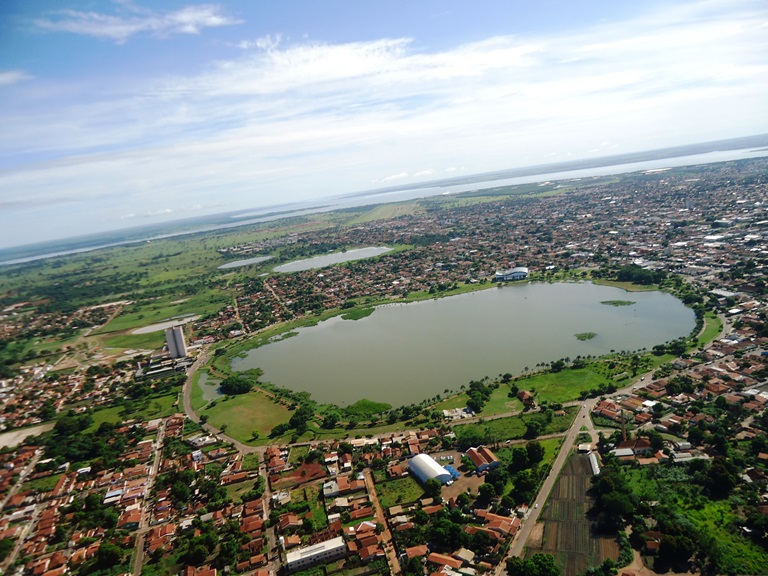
(526, 397)
(483, 458)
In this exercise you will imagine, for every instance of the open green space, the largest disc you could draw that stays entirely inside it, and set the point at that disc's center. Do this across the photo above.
(242, 415)
(712, 328)
(45, 484)
(513, 427)
(235, 491)
(142, 410)
(562, 386)
(711, 522)
(164, 308)
(297, 454)
(311, 495)
(251, 461)
(498, 403)
(150, 341)
(398, 491)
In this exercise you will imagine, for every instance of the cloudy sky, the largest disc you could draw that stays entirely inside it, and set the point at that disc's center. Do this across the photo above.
(123, 113)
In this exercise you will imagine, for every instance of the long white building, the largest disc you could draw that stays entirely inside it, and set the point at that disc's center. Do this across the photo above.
(318, 554)
(424, 468)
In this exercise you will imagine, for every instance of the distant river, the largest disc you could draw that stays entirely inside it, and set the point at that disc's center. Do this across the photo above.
(329, 259)
(405, 353)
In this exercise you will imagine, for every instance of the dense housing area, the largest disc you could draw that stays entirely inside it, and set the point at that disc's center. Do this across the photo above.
(129, 468)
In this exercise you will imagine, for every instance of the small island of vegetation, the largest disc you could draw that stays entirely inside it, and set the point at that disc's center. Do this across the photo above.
(585, 335)
(618, 302)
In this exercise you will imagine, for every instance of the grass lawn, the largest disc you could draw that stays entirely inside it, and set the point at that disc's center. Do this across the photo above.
(245, 413)
(151, 341)
(387, 211)
(164, 308)
(45, 484)
(739, 555)
(498, 403)
(297, 453)
(399, 491)
(251, 462)
(236, 490)
(562, 386)
(513, 428)
(148, 409)
(311, 494)
(455, 401)
(712, 328)
(550, 445)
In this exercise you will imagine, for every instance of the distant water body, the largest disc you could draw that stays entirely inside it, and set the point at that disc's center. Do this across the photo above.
(422, 191)
(330, 259)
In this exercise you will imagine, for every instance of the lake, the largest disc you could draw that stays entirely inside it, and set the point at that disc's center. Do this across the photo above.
(405, 353)
(330, 259)
(248, 262)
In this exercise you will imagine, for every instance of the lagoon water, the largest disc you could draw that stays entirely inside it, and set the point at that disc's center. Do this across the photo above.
(405, 353)
(335, 258)
(247, 262)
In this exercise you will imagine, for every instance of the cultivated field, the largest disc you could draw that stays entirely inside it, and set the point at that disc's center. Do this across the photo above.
(567, 533)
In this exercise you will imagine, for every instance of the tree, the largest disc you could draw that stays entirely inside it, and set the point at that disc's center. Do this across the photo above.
(236, 385)
(537, 565)
(535, 452)
(487, 491)
(533, 429)
(433, 489)
(108, 555)
(6, 545)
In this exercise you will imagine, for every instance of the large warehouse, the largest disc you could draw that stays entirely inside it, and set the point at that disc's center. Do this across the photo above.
(424, 467)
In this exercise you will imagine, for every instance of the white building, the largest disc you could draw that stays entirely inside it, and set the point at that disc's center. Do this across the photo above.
(174, 337)
(318, 554)
(424, 468)
(518, 273)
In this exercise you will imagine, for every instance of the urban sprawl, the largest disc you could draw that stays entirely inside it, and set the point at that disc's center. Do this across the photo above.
(120, 474)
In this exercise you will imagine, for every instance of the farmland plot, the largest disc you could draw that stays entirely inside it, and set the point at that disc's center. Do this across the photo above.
(567, 532)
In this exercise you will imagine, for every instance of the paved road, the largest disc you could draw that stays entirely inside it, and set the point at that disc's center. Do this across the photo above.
(389, 548)
(144, 521)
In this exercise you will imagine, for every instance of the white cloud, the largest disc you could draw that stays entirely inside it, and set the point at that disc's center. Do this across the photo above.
(9, 77)
(286, 122)
(133, 20)
(398, 176)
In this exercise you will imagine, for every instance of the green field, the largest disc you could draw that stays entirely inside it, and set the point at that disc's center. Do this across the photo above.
(498, 403)
(398, 491)
(145, 409)
(297, 454)
(562, 386)
(251, 461)
(236, 490)
(45, 484)
(245, 414)
(514, 427)
(712, 328)
(150, 341)
(311, 495)
(165, 308)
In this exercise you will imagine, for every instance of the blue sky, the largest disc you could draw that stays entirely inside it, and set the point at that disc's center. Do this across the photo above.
(124, 113)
